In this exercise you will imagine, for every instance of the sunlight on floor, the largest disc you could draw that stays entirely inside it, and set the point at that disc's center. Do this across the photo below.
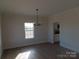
(24, 55)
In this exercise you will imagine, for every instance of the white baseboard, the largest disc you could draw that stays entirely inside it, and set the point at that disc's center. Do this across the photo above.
(26, 44)
(65, 45)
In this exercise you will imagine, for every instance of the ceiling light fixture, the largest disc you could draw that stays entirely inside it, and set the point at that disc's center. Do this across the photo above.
(37, 18)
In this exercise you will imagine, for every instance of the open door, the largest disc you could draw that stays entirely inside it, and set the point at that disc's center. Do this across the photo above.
(56, 27)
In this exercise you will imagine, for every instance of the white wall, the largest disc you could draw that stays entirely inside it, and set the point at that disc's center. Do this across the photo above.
(0, 39)
(13, 31)
(69, 28)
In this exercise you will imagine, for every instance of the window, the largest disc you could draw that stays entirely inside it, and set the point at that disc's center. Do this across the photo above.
(29, 30)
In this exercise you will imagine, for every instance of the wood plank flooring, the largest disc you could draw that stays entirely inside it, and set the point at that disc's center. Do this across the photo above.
(40, 51)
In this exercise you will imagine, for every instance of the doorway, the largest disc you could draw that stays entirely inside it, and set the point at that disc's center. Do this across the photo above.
(56, 28)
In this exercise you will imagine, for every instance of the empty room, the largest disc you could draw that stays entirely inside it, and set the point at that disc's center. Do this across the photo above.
(39, 29)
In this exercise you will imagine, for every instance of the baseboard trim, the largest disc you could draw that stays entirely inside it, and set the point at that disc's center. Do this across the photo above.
(69, 47)
(27, 45)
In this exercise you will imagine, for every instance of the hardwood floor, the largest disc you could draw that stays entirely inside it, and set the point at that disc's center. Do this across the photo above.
(41, 51)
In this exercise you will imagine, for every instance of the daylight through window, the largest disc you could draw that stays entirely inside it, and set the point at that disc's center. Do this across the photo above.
(29, 30)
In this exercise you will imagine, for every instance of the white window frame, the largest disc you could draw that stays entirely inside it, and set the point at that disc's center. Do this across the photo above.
(29, 30)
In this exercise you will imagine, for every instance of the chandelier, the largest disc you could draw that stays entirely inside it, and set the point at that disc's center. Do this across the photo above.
(37, 18)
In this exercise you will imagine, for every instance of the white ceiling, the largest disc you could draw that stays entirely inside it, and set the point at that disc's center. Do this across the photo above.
(46, 7)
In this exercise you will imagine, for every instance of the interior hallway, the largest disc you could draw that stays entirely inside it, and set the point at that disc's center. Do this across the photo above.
(40, 51)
